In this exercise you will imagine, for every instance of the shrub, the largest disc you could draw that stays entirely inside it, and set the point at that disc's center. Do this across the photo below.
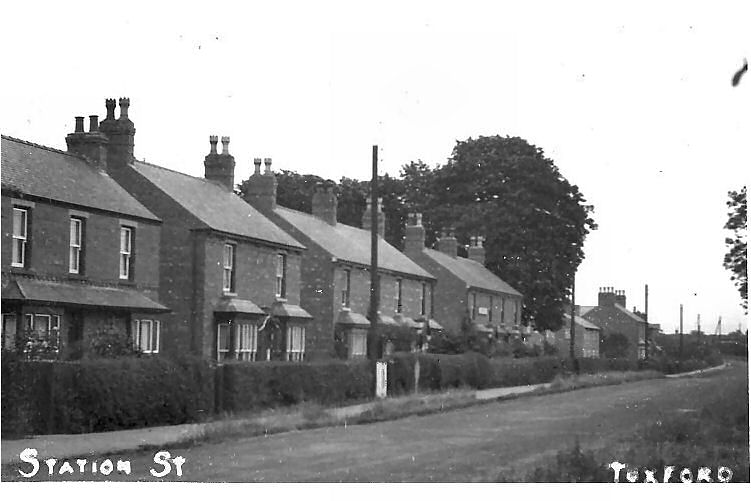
(108, 342)
(103, 395)
(525, 371)
(438, 372)
(446, 342)
(249, 386)
(401, 337)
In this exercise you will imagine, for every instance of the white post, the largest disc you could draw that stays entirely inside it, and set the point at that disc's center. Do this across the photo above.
(381, 383)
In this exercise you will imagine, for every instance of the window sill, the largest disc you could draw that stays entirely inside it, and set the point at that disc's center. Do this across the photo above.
(281, 299)
(229, 294)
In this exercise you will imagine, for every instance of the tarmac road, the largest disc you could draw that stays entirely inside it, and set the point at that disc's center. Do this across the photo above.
(457, 446)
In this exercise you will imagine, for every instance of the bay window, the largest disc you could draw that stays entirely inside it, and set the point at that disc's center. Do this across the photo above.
(295, 343)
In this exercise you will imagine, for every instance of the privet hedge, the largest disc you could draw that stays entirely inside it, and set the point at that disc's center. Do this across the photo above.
(259, 385)
(103, 394)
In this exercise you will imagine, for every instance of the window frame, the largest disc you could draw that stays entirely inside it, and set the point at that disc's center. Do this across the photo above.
(490, 309)
(473, 309)
(219, 351)
(347, 289)
(247, 352)
(281, 279)
(228, 269)
(295, 352)
(21, 239)
(78, 247)
(126, 256)
(423, 290)
(362, 336)
(154, 340)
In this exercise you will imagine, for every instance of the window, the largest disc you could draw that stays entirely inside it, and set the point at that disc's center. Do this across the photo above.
(76, 246)
(472, 305)
(432, 300)
(346, 288)
(295, 343)
(516, 313)
(281, 275)
(422, 298)
(42, 334)
(222, 341)
(9, 331)
(126, 252)
(398, 295)
(247, 348)
(490, 310)
(146, 335)
(358, 345)
(503, 310)
(228, 261)
(20, 236)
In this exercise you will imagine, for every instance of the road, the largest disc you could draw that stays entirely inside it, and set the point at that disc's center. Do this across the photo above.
(470, 444)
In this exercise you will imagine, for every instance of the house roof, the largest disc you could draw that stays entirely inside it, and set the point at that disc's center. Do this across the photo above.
(631, 314)
(215, 206)
(581, 322)
(350, 244)
(471, 272)
(46, 291)
(40, 171)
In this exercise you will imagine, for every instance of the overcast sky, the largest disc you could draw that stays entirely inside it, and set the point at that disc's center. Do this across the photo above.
(634, 105)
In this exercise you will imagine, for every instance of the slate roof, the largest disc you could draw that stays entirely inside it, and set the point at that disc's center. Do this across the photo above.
(214, 205)
(471, 272)
(581, 322)
(631, 314)
(350, 244)
(40, 171)
(30, 289)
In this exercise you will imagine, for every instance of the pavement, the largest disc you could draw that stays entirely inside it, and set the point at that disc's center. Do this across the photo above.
(93, 444)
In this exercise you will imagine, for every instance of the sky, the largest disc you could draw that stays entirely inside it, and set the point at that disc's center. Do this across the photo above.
(632, 102)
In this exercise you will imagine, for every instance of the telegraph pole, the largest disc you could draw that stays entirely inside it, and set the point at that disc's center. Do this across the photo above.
(374, 282)
(646, 322)
(680, 341)
(572, 344)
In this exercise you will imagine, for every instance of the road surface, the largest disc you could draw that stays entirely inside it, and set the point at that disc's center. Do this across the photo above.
(470, 444)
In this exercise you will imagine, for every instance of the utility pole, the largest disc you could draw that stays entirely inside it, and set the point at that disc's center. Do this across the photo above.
(374, 282)
(646, 322)
(572, 344)
(680, 341)
(698, 325)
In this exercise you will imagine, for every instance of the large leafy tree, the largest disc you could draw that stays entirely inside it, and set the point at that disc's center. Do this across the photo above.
(735, 259)
(533, 219)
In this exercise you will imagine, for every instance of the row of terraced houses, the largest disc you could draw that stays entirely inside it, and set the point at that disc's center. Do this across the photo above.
(96, 242)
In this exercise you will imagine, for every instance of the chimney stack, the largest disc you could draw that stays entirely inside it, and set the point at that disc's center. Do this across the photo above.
(414, 234)
(620, 297)
(90, 145)
(261, 188)
(367, 217)
(606, 297)
(325, 202)
(220, 168)
(120, 134)
(448, 243)
(476, 250)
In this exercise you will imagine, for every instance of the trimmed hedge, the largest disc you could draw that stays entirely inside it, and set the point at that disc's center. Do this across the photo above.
(103, 394)
(270, 384)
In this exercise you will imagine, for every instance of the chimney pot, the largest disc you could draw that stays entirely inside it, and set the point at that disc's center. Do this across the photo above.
(93, 123)
(257, 165)
(267, 165)
(225, 145)
(212, 141)
(79, 124)
(124, 104)
(110, 105)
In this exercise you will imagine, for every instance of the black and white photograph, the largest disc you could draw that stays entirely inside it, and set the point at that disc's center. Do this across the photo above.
(337, 243)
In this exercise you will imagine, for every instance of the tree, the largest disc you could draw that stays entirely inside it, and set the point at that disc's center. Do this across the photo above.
(735, 259)
(533, 219)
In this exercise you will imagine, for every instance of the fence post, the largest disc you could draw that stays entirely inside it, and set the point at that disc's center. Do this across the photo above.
(417, 375)
(381, 379)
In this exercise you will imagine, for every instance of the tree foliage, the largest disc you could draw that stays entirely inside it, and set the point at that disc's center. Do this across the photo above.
(735, 259)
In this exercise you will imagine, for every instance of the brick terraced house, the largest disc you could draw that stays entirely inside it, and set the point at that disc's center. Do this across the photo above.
(466, 291)
(79, 254)
(230, 276)
(612, 316)
(336, 271)
(586, 337)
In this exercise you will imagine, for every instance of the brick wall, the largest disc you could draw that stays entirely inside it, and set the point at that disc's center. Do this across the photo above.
(612, 320)
(585, 340)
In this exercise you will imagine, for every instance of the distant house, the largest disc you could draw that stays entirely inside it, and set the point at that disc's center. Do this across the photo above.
(230, 276)
(586, 337)
(466, 291)
(79, 254)
(613, 318)
(336, 271)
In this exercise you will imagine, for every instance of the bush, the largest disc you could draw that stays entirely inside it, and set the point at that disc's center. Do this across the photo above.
(270, 384)
(446, 342)
(525, 371)
(103, 395)
(438, 372)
